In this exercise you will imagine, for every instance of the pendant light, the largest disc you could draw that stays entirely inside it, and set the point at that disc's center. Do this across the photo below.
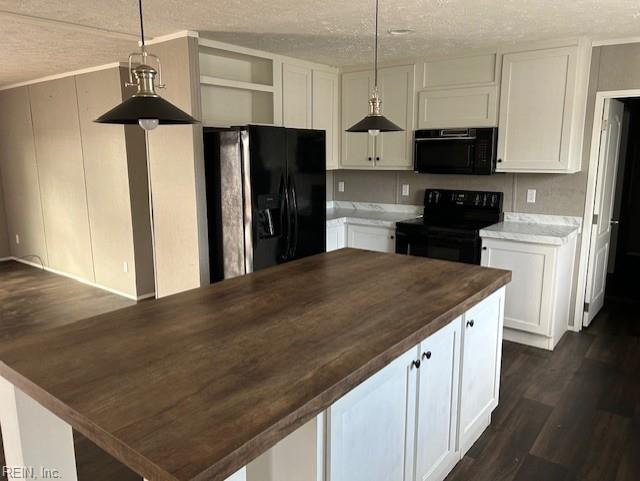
(375, 122)
(145, 107)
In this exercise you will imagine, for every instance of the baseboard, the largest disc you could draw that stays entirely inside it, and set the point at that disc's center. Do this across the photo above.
(83, 281)
(528, 339)
(5, 259)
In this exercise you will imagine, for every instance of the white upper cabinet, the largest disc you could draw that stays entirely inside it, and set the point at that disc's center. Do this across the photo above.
(296, 96)
(393, 149)
(542, 110)
(390, 150)
(325, 110)
(459, 92)
(357, 148)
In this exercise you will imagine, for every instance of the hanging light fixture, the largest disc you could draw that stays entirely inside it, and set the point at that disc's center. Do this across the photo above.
(145, 107)
(375, 122)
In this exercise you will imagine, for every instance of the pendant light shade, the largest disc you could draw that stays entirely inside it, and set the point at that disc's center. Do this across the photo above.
(137, 109)
(375, 122)
(145, 107)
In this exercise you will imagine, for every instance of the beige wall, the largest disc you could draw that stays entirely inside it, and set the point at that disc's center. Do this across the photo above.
(177, 177)
(56, 131)
(4, 234)
(106, 166)
(21, 187)
(68, 192)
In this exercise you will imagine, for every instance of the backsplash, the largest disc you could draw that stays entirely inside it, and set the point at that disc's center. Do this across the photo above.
(556, 194)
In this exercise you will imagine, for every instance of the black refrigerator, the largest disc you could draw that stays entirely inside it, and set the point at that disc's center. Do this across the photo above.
(266, 197)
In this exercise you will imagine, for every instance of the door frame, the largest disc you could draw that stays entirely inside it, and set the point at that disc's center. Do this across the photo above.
(587, 220)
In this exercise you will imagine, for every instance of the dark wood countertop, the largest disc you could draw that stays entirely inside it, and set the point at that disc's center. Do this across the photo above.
(194, 386)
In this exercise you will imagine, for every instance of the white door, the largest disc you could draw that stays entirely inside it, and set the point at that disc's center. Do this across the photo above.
(394, 149)
(436, 450)
(325, 113)
(481, 356)
(296, 96)
(380, 239)
(368, 426)
(357, 147)
(603, 208)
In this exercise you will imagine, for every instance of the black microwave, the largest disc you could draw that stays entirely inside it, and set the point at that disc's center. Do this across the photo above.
(456, 151)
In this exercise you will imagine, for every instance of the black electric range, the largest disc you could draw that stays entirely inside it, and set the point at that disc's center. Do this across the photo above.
(450, 226)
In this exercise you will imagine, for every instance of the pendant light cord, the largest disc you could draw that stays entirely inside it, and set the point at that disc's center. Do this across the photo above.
(142, 23)
(375, 55)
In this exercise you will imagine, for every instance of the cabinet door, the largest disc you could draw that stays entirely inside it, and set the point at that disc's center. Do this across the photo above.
(536, 106)
(481, 356)
(357, 147)
(325, 113)
(437, 404)
(368, 426)
(296, 96)
(529, 295)
(394, 149)
(380, 239)
(335, 237)
(459, 107)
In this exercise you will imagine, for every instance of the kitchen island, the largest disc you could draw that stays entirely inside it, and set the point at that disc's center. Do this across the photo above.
(197, 385)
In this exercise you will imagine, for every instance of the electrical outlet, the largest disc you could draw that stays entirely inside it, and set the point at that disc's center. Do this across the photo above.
(531, 196)
(17, 239)
(125, 267)
(405, 190)
(341, 186)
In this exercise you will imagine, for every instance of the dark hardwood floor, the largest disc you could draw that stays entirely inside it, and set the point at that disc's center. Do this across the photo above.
(567, 415)
(33, 300)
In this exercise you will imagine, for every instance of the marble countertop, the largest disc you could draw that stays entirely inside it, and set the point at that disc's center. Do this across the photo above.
(538, 229)
(370, 214)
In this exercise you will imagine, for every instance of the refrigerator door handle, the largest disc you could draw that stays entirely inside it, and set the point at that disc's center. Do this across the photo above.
(285, 219)
(294, 216)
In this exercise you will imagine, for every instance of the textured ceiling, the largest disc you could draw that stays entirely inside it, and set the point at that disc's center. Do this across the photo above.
(336, 32)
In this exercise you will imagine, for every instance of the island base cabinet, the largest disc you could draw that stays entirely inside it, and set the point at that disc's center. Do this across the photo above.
(436, 443)
(481, 359)
(368, 426)
(415, 419)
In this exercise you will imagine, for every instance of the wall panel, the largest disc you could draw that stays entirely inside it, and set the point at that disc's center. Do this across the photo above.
(20, 177)
(107, 181)
(61, 173)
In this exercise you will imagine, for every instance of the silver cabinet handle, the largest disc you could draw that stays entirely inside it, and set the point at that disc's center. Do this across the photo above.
(614, 222)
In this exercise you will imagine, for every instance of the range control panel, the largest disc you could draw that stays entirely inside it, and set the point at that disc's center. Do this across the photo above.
(463, 198)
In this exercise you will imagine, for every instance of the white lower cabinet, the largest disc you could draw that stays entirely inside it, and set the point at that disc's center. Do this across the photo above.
(373, 238)
(414, 419)
(436, 427)
(539, 296)
(336, 236)
(481, 358)
(368, 426)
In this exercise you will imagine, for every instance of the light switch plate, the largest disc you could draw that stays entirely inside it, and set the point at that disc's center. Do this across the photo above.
(531, 196)
(125, 267)
(405, 190)
(17, 239)
(341, 186)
